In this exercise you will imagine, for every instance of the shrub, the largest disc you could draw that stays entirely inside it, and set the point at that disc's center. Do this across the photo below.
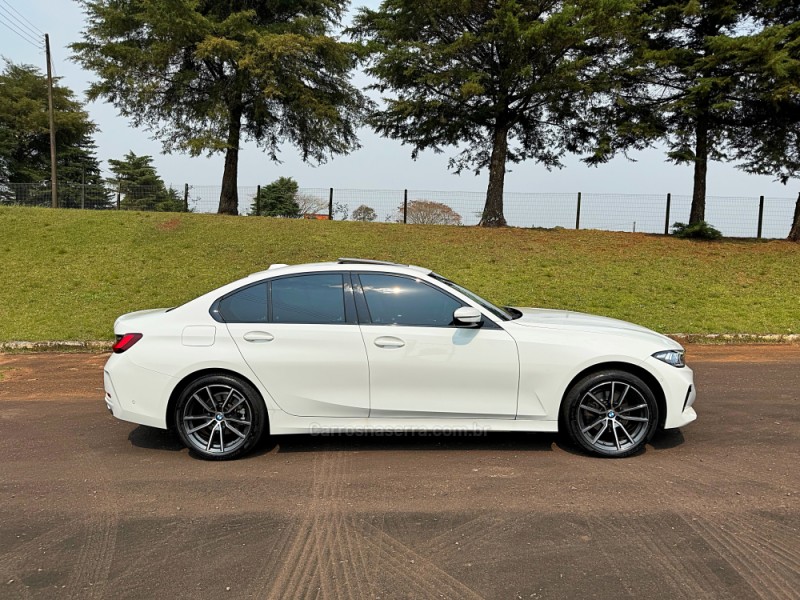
(364, 213)
(696, 231)
(428, 212)
(277, 199)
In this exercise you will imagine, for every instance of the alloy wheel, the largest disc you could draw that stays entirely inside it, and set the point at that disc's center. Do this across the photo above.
(217, 419)
(613, 417)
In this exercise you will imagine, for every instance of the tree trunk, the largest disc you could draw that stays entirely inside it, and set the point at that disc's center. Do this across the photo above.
(794, 234)
(698, 212)
(493, 211)
(229, 197)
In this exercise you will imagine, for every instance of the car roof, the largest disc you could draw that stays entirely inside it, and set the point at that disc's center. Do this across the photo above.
(342, 264)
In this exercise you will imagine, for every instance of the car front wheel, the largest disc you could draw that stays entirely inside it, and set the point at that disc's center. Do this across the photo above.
(220, 417)
(611, 413)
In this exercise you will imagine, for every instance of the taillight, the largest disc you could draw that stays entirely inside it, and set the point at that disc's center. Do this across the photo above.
(126, 341)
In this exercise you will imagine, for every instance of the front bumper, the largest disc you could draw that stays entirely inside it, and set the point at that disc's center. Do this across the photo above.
(687, 414)
(680, 392)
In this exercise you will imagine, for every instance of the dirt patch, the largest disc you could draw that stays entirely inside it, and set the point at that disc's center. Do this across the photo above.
(760, 353)
(47, 375)
(170, 224)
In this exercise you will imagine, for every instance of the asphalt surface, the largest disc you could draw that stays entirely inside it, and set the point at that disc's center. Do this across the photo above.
(91, 507)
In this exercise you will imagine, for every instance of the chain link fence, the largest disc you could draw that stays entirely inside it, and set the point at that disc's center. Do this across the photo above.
(745, 217)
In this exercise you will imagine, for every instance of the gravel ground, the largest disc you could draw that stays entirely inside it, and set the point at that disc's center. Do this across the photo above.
(97, 508)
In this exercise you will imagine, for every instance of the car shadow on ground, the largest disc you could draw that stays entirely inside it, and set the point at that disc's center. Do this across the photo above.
(160, 439)
(417, 441)
(668, 438)
(155, 439)
(495, 441)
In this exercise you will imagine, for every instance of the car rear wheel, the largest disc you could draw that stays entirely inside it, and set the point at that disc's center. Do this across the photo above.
(220, 417)
(611, 413)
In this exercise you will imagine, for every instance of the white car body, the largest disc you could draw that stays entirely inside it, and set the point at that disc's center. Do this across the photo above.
(511, 375)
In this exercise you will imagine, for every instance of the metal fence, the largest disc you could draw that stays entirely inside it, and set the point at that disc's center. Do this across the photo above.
(746, 217)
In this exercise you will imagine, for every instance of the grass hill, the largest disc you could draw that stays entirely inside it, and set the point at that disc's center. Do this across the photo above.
(67, 274)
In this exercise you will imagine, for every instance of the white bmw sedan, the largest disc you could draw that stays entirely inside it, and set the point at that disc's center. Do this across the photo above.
(362, 345)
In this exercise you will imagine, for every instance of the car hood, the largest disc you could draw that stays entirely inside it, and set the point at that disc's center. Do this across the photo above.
(575, 321)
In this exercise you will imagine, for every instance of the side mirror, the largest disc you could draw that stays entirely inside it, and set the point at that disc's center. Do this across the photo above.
(466, 315)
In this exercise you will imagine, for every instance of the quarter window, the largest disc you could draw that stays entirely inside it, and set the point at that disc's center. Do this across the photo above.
(393, 300)
(316, 299)
(247, 305)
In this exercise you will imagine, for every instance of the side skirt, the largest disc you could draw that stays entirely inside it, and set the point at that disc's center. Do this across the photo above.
(281, 423)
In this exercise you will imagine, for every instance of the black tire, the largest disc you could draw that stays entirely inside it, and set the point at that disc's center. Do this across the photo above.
(610, 413)
(220, 417)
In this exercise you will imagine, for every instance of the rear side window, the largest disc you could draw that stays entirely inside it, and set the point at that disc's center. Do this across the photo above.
(247, 305)
(316, 299)
(395, 300)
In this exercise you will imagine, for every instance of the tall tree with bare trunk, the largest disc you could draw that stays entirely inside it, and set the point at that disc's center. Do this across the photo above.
(502, 80)
(205, 75)
(768, 143)
(684, 84)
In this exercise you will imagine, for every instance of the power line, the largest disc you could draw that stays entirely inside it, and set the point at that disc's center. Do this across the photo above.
(22, 16)
(8, 16)
(25, 36)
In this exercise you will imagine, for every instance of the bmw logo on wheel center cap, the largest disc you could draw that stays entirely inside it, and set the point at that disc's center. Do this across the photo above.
(611, 414)
(219, 417)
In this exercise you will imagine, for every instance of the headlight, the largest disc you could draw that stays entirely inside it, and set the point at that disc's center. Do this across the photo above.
(671, 357)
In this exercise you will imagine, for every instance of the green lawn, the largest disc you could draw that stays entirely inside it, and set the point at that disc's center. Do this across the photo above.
(68, 274)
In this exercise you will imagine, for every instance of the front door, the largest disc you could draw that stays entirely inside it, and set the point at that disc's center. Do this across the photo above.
(422, 364)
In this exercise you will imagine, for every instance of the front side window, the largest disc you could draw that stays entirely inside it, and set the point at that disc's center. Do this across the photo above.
(394, 300)
(315, 299)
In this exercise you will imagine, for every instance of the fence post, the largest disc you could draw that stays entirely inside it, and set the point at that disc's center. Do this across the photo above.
(119, 193)
(760, 215)
(258, 200)
(405, 207)
(330, 205)
(185, 197)
(666, 218)
(578, 214)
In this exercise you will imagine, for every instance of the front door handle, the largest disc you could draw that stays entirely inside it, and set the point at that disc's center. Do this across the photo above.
(387, 341)
(258, 336)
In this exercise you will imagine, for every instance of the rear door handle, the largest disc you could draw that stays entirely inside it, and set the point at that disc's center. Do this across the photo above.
(258, 336)
(387, 341)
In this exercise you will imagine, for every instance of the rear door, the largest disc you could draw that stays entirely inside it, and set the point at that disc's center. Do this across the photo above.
(424, 365)
(299, 334)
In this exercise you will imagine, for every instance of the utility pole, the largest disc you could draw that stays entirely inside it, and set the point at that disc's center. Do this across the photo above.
(53, 171)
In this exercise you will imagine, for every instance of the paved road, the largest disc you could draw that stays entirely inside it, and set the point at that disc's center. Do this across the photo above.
(96, 508)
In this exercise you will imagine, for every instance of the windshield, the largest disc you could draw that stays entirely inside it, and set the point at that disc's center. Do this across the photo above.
(500, 313)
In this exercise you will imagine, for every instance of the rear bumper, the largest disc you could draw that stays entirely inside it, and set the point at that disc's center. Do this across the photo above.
(146, 401)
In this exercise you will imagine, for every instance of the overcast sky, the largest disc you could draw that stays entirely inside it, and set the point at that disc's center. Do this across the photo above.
(379, 164)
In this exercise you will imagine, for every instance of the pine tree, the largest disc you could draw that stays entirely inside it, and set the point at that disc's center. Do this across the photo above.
(506, 80)
(141, 187)
(25, 139)
(683, 84)
(768, 143)
(277, 199)
(204, 76)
